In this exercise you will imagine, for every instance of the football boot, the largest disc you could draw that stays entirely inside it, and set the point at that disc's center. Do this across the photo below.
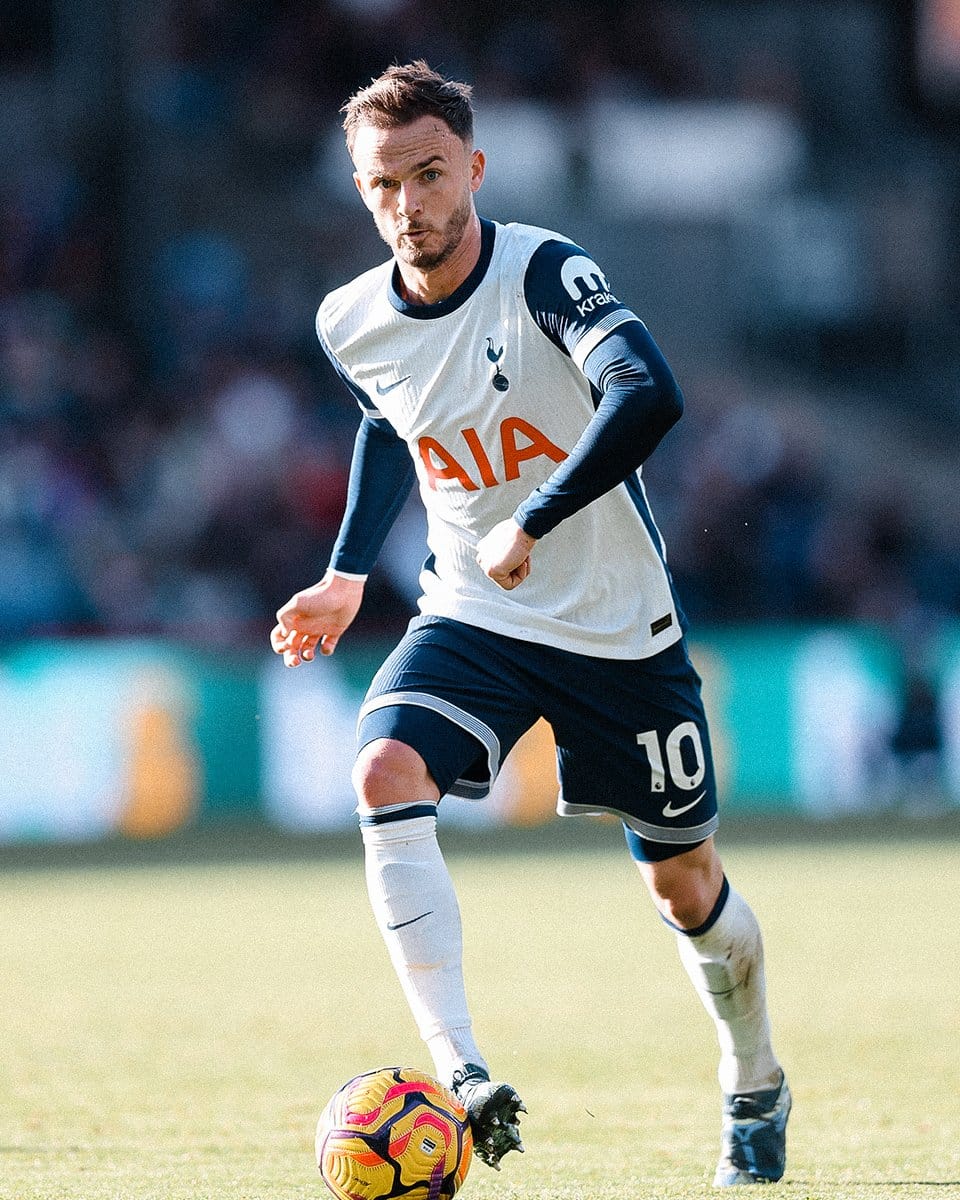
(753, 1142)
(494, 1111)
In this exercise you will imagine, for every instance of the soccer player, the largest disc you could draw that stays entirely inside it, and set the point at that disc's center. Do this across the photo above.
(495, 365)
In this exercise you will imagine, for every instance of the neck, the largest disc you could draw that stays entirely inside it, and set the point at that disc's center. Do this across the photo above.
(437, 283)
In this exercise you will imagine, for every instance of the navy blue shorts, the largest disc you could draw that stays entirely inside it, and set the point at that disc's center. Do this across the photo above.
(631, 734)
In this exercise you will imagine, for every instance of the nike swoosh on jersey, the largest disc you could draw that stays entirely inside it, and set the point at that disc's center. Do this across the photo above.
(670, 811)
(382, 391)
(413, 920)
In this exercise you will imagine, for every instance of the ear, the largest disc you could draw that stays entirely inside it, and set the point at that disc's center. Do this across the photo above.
(478, 166)
(363, 195)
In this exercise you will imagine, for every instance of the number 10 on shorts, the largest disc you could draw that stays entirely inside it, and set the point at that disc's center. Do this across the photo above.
(679, 775)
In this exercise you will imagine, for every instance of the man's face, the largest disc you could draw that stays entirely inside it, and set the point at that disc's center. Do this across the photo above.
(418, 182)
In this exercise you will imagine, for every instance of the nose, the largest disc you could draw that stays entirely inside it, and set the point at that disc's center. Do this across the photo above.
(408, 201)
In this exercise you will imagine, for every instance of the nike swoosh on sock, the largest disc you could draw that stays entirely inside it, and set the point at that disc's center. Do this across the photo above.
(401, 924)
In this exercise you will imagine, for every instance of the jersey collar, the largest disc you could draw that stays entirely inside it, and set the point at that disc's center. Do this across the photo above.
(426, 312)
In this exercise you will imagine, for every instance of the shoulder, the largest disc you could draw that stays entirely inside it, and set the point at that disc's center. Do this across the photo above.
(548, 250)
(555, 269)
(522, 242)
(569, 296)
(561, 268)
(345, 308)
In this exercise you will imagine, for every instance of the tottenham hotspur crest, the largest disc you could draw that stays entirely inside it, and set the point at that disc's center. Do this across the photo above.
(500, 381)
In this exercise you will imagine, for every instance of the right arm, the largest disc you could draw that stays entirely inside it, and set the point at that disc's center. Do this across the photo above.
(381, 476)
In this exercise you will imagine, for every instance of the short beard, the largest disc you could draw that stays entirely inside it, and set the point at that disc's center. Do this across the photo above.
(427, 260)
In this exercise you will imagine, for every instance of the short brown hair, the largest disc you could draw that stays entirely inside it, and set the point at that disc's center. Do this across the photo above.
(405, 93)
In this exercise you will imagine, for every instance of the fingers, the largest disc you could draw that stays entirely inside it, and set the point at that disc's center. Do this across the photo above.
(278, 636)
(313, 620)
(294, 647)
(508, 580)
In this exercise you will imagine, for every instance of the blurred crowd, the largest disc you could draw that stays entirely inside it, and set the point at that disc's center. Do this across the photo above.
(181, 474)
(189, 505)
(763, 526)
(277, 70)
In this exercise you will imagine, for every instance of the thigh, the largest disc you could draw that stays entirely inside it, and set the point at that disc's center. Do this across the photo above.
(452, 692)
(632, 739)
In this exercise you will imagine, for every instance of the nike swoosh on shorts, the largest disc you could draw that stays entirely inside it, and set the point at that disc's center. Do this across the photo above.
(670, 811)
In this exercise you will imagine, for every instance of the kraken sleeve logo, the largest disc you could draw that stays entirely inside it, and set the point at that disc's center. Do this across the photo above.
(581, 277)
(586, 284)
(500, 381)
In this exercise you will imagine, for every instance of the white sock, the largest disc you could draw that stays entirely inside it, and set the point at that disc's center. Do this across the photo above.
(416, 909)
(725, 963)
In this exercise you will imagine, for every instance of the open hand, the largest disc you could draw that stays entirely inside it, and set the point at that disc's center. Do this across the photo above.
(315, 618)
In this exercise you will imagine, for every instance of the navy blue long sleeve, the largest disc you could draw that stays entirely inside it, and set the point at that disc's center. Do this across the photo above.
(639, 402)
(381, 477)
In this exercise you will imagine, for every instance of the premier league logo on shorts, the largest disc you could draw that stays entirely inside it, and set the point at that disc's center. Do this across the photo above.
(500, 381)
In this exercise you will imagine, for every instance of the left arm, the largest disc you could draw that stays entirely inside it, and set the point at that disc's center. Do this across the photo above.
(639, 402)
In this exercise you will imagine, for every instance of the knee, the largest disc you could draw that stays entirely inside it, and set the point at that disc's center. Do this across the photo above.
(688, 905)
(685, 889)
(390, 772)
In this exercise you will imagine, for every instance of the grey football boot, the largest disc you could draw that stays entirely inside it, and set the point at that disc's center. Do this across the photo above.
(494, 1111)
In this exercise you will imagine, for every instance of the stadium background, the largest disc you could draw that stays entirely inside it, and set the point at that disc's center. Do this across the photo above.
(772, 186)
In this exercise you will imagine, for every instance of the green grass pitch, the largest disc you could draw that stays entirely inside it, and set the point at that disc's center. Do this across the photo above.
(171, 1031)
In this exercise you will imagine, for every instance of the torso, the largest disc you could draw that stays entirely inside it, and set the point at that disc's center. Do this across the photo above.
(488, 405)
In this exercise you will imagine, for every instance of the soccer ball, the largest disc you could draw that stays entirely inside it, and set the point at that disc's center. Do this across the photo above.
(394, 1132)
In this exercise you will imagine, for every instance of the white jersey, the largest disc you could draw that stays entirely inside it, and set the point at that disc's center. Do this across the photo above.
(488, 392)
